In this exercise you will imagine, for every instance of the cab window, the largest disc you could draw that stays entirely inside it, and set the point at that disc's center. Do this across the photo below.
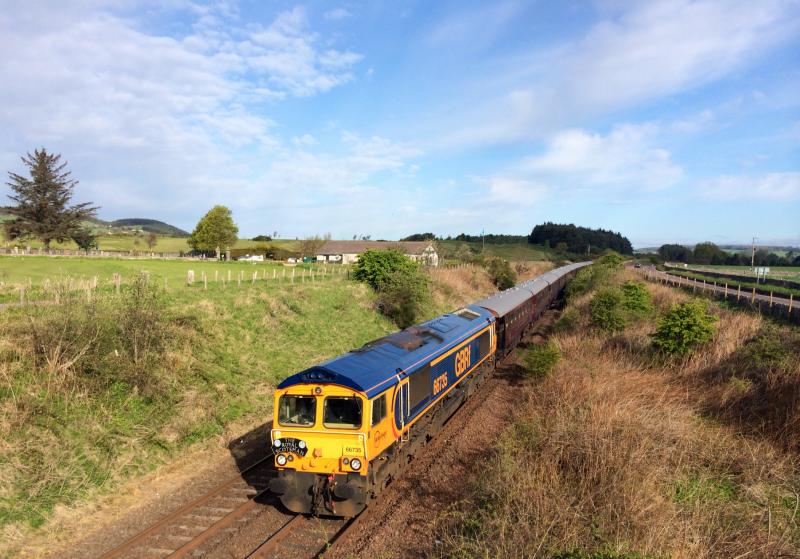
(378, 409)
(342, 412)
(297, 410)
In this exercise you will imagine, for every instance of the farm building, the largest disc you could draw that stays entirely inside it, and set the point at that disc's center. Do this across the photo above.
(346, 252)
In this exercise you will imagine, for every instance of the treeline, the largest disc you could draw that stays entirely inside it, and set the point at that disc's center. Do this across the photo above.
(489, 238)
(571, 238)
(709, 253)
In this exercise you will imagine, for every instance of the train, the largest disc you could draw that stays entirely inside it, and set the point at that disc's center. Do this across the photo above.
(344, 429)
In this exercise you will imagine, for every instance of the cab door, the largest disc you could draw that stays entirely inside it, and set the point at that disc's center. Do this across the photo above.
(402, 408)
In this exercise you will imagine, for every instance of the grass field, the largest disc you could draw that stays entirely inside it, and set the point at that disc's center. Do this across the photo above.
(128, 242)
(746, 285)
(775, 271)
(508, 251)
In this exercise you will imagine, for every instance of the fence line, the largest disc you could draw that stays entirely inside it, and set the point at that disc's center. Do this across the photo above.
(766, 304)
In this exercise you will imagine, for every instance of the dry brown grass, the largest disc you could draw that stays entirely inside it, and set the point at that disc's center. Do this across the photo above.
(621, 452)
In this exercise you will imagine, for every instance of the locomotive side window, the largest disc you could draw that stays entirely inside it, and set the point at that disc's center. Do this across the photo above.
(419, 386)
(483, 344)
(297, 410)
(378, 409)
(342, 412)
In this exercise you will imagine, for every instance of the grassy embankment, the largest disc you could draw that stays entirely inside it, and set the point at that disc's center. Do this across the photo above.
(95, 392)
(786, 272)
(622, 453)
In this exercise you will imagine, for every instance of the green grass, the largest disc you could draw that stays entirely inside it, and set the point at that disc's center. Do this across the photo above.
(507, 251)
(127, 242)
(34, 271)
(774, 271)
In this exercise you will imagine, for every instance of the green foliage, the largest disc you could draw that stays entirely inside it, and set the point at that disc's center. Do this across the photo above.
(40, 203)
(708, 253)
(611, 260)
(374, 266)
(606, 310)
(540, 359)
(636, 299)
(684, 327)
(594, 276)
(501, 273)
(579, 239)
(215, 230)
(84, 238)
(697, 489)
(568, 320)
(767, 350)
(403, 296)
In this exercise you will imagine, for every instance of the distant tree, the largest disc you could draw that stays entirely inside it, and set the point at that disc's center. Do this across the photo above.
(420, 237)
(708, 253)
(501, 273)
(311, 245)
(84, 238)
(152, 240)
(40, 207)
(215, 229)
(579, 239)
(675, 253)
(562, 247)
(262, 238)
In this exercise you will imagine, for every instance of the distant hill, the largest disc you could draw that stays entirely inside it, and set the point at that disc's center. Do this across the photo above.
(150, 226)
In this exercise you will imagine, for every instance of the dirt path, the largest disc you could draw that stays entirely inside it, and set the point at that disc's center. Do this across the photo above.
(401, 523)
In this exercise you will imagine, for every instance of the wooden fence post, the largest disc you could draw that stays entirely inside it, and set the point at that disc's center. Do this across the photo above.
(770, 299)
(229, 276)
(190, 277)
(293, 274)
(791, 300)
(21, 295)
(738, 292)
(117, 281)
(216, 276)
(255, 275)
(753, 298)
(726, 290)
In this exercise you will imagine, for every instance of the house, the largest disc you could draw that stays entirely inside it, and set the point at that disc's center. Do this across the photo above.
(346, 252)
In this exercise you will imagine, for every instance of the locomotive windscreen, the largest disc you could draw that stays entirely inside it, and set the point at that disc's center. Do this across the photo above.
(342, 412)
(297, 410)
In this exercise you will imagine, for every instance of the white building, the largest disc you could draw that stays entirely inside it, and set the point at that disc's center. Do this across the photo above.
(346, 252)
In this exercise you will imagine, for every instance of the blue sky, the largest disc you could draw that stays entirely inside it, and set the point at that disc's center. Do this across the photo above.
(669, 121)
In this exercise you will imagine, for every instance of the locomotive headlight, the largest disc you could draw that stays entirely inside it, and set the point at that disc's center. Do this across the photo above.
(281, 459)
(345, 461)
(301, 445)
(355, 463)
(277, 443)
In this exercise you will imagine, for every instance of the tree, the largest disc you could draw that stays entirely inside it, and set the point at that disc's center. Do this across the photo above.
(152, 240)
(675, 253)
(41, 209)
(84, 238)
(708, 253)
(373, 266)
(215, 229)
(311, 245)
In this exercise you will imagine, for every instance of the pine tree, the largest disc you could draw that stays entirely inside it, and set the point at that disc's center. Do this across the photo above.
(41, 209)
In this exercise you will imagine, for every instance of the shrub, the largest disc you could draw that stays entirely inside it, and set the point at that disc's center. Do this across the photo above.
(767, 350)
(540, 359)
(684, 327)
(636, 298)
(374, 266)
(587, 279)
(568, 320)
(501, 273)
(606, 310)
(403, 296)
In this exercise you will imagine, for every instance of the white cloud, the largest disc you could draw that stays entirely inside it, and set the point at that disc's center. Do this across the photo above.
(625, 159)
(151, 122)
(638, 52)
(514, 191)
(765, 187)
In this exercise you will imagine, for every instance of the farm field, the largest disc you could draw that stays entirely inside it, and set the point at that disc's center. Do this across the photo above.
(507, 251)
(789, 272)
(746, 285)
(128, 242)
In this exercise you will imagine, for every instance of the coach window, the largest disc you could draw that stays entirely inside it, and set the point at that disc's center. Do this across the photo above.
(378, 409)
(342, 412)
(297, 410)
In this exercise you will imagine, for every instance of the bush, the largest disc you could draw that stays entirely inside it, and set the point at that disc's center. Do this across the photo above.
(607, 311)
(403, 295)
(568, 320)
(374, 266)
(588, 278)
(540, 359)
(636, 298)
(501, 273)
(684, 327)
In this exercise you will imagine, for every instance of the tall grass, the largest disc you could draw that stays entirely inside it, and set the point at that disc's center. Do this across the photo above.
(619, 453)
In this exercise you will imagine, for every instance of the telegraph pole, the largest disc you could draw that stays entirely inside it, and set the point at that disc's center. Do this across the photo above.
(753, 257)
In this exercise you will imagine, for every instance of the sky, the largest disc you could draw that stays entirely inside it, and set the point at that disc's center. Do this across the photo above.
(665, 120)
